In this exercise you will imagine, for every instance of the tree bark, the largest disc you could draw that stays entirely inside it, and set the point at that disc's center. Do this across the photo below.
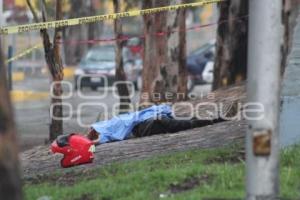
(94, 29)
(232, 41)
(10, 182)
(290, 10)
(55, 66)
(120, 73)
(182, 71)
(164, 73)
(56, 126)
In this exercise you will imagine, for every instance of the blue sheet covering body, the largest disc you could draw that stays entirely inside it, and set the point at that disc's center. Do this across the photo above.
(120, 127)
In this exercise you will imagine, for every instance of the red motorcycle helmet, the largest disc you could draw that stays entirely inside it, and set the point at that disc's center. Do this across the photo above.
(76, 149)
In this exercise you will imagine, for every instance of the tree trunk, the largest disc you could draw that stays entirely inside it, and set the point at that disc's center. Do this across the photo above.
(290, 11)
(74, 51)
(10, 182)
(93, 28)
(183, 74)
(120, 73)
(164, 73)
(55, 66)
(56, 126)
(232, 43)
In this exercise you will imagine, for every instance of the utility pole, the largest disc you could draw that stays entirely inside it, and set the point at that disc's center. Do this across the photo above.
(263, 87)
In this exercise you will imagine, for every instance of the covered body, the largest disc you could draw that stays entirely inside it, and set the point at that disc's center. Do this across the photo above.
(120, 127)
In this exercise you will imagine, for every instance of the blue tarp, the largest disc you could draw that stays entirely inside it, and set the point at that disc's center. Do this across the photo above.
(120, 127)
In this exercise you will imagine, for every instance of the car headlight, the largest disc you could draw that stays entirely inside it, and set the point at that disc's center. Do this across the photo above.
(79, 72)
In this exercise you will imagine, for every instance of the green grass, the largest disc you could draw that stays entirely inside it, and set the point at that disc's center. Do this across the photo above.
(220, 173)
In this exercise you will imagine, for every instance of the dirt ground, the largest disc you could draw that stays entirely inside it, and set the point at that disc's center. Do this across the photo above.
(39, 160)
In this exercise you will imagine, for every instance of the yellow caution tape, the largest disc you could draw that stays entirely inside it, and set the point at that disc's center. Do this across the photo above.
(24, 53)
(93, 19)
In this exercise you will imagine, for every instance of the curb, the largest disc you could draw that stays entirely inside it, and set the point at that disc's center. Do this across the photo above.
(18, 76)
(69, 72)
(21, 96)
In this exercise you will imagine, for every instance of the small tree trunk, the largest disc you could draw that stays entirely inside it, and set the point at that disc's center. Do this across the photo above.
(74, 52)
(290, 10)
(150, 69)
(120, 73)
(94, 29)
(10, 182)
(182, 71)
(54, 63)
(55, 66)
(231, 49)
(165, 76)
(56, 126)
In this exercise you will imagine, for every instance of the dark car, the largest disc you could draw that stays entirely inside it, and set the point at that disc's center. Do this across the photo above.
(97, 68)
(197, 61)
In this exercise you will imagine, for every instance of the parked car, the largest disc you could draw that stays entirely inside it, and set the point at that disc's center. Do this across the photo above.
(197, 62)
(98, 67)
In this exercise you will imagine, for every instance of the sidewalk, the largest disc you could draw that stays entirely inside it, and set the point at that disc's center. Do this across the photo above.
(27, 89)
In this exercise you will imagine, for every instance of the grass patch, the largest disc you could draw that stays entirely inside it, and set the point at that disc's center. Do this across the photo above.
(197, 174)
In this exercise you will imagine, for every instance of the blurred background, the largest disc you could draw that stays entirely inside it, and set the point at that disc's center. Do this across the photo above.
(30, 77)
